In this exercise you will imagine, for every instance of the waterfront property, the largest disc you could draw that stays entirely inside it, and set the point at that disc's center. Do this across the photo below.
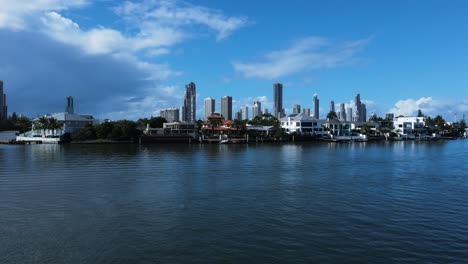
(409, 125)
(65, 123)
(303, 124)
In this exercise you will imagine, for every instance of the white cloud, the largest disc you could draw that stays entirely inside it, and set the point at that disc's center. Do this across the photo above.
(14, 14)
(430, 107)
(178, 14)
(306, 54)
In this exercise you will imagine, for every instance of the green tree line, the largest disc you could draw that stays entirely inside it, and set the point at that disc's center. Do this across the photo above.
(17, 123)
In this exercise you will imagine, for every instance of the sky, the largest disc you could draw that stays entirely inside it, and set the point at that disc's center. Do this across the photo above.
(130, 59)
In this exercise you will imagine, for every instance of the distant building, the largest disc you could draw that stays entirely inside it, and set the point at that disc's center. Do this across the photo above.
(332, 106)
(316, 106)
(349, 114)
(209, 107)
(3, 104)
(69, 109)
(226, 107)
(68, 123)
(296, 109)
(245, 112)
(389, 116)
(342, 114)
(256, 109)
(189, 106)
(363, 114)
(238, 116)
(278, 100)
(360, 110)
(170, 114)
(265, 111)
(306, 111)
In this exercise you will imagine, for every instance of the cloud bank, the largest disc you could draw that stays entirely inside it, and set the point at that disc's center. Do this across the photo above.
(47, 56)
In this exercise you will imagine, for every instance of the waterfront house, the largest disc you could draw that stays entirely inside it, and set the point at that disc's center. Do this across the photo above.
(303, 124)
(337, 128)
(65, 123)
(409, 125)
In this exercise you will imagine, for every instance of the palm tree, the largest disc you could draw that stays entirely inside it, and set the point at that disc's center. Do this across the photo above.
(53, 124)
(42, 124)
(332, 115)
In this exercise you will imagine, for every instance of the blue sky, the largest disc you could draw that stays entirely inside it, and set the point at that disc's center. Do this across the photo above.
(131, 59)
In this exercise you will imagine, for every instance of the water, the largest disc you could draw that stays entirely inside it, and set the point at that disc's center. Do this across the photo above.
(303, 203)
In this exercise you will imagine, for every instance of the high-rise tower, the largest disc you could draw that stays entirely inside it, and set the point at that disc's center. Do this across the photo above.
(209, 107)
(357, 108)
(342, 112)
(3, 105)
(189, 106)
(316, 107)
(278, 100)
(226, 107)
(70, 109)
(296, 109)
(256, 109)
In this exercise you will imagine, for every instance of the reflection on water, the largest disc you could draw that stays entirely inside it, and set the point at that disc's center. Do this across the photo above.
(294, 203)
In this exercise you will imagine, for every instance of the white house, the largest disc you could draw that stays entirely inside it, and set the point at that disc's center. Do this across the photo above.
(302, 124)
(68, 123)
(409, 124)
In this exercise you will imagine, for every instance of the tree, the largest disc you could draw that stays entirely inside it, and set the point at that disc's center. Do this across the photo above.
(23, 124)
(125, 130)
(462, 124)
(157, 122)
(41, 124)
(332, 115)
(86, 133)
(439, 122)
(104, 130)
(365, 129)
(53, 124)
(420, 113)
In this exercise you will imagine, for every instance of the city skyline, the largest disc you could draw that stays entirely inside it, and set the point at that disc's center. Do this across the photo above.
(132, 59)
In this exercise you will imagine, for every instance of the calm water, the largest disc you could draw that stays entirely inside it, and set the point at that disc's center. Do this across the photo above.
(334, 203)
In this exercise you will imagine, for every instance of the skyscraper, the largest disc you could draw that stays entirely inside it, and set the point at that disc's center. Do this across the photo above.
(278, 100)
(342, 112)
(363, 113)
(3, 106)
(265, 111)
(357, 108)
(209, 107)
(316, 106)
(245, 112)
(332, 106)
(189, 107)
(226, 107)
(296, 109)
(306, 111)
(69, 109)
(256, 109)
(238, 116)
(389, 116)
(349, 114)
(170, 114)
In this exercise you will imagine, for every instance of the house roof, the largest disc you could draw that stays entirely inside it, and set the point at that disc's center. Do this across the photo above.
(70, 117)
(300, 117)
